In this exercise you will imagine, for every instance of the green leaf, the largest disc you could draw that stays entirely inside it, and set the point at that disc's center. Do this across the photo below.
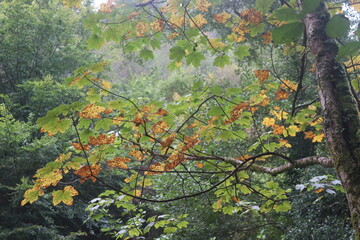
(195, 59)
(146, 54)
(215, 111)
(272, 184)
(283, 207)
(177, 53)
(255, 30)
(242, 51)
(286, 14)
(95, 42)
(221, 61)
(263, 5)
(104, 123)
(348, 49)
(338, 26)
(309, 6)
(288, 32)
(170, 229)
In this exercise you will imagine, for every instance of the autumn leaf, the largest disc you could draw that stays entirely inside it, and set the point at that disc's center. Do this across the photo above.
(92, 111)
(32, 194)
(281, 94)
(309, 135)
(318, 138)
(198, 21)
(158, 25)
(160, 127)
(319, 190)
(65, 196)
(262, 75)
(118, 120)
(235, 199)
(80, 147)
(105, 84)
(199, 164)
(252, 16)
(88, 172)
(268, 122)
(102, 139)
(292, 130)
(203, 5)
(222, 17)
(138, 155)
(141, 29)
(156, 168)
(267, 37)
(278, 130)
(107, 7)
(118, 162)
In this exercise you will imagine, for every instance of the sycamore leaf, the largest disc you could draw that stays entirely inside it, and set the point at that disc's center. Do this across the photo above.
(146, 54)
(338, 26)
(262, 75)
(32, 194)
(288, 32)
(65, 196)
(195, 59)
(268, 122)
(221, 61)
(242, 51)
(177, 53)
(263, 5)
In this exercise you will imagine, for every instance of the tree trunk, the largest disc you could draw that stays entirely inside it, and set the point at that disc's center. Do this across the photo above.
(340, 110)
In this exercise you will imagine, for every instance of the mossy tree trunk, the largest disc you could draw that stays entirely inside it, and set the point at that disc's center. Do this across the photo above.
(340, 110)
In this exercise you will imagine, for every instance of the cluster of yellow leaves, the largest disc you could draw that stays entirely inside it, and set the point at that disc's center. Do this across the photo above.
(239, 31)
(107, 7)
(215, 43)
(106, 85)
(160, 127)
(88, 172)
(93, 111)
(118, 120)
(222, 17)
(280, 114)
(141, 29)
(158, 25)
(268, 122)
(262, 75)
(288, 84)
(177, 20)
(171, 6)
(203, 5)
(174, 160)
(157, 168)
(102, 139)
(190, 141)
(118, 162)
(138, 155)
(252, 16)
(198, 21)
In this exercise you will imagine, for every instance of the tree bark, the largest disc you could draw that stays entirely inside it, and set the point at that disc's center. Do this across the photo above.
(340, 110)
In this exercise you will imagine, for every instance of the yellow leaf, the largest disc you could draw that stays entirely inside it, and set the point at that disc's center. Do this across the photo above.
(222, 17)
(105, 84)
(198, 21)
(268, 122)
(293, 129)
(199, 164)
(319, 190)
(203, 5)
(318, 138)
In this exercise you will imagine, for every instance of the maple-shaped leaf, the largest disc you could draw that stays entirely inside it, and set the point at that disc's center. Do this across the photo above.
(278, 130)
(262, 75)
(268, 122)
(222, 17)
(318, 138)
(88, 172)
(281, 94)
(65, 196)
(221, 61)
(195, 59)
(203, 5)
(92, 111)
(102, 139)
(118, 162)
(32, 194)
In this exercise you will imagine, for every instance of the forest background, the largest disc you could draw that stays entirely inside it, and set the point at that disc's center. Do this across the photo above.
(192, 120)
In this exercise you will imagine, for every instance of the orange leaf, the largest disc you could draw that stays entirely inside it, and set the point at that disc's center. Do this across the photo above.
(319, 190)
(222, 17)
(102, 139)
(281, 94)
(267, 37)
(262, 75)
(160, 127)
(161, 112)
(235, 199)
(92, 111)
(199, 164)
(137, 154)
(118, 162)
(278, 130)
(79, 146)
(88, 172)
(203, 5)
